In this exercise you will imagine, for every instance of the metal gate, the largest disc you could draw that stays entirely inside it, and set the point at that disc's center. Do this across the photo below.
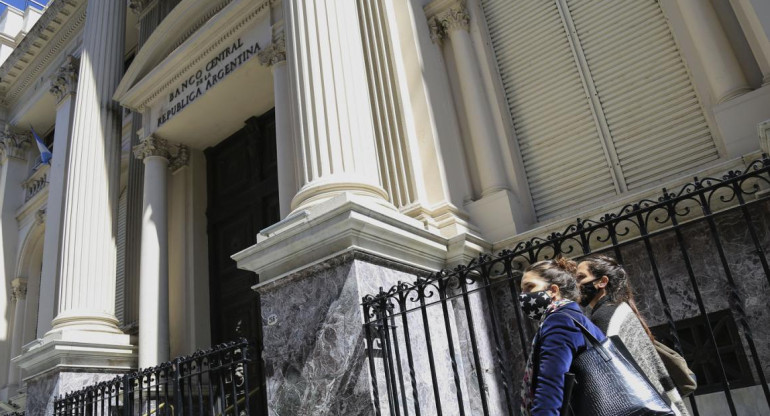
(455, 342)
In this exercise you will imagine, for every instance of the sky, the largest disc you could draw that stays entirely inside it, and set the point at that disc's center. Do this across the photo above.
(21, 4)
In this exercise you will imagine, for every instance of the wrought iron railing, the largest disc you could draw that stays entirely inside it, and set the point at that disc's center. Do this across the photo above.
(212, 382)
(455, 342)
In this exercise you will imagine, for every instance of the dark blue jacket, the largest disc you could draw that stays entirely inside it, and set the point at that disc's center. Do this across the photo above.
(560, 339)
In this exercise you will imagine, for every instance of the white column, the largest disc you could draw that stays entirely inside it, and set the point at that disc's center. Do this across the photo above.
(716, 55)
(274, 56)
(63, 86)
(89, 222)
(451, 20)
(153, 268)
(754, 16)
(13, 172)
(19, 296)
(331, 113)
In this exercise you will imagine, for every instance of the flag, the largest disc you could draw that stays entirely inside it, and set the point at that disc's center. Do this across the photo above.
(45, 154)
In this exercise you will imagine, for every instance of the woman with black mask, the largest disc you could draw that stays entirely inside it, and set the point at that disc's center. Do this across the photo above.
(549, 293)
(609, 301)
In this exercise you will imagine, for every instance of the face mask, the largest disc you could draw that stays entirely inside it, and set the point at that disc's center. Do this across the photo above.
(534, 304)
(588, 292)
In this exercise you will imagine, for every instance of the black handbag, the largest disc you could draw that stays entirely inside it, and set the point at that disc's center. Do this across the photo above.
(608, 382)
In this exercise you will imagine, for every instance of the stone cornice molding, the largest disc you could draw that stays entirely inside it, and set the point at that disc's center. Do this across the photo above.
(18, 289)
(137, 91)
(273, 53)
(180, 159)
(152, 146)
(446, 16)
(55, 29)
(65, 81)
(13, 145)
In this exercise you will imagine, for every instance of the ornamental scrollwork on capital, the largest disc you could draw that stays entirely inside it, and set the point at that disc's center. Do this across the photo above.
(64, 82)
(151, 146)
(180, 159)
(13, 145)
(445, 17)
(138, 6)
(273, 53)
(18, 289)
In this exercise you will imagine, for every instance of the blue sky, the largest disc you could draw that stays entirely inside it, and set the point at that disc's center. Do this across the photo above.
(21, 4)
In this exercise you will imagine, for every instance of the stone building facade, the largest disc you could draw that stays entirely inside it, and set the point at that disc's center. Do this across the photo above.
(242, 168)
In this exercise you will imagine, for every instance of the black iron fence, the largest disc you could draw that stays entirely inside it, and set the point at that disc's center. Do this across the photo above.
(455, 342)
(212, 382)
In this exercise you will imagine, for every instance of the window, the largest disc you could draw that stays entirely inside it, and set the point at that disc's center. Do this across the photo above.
(600, 98)
(699, 351)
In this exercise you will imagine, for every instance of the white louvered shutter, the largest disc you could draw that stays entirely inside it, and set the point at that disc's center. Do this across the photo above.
(563, 156)
(120, 277)
(655, 119)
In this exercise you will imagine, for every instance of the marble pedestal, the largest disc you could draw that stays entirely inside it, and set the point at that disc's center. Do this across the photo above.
(43, 390)
(314, 343)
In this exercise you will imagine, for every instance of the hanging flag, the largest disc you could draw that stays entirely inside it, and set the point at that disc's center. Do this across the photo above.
(45, 154)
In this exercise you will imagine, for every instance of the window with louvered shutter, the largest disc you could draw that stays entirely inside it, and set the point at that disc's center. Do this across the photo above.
(589, 82)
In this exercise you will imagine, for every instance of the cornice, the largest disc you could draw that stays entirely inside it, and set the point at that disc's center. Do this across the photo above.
(55, 29)
(139, 94)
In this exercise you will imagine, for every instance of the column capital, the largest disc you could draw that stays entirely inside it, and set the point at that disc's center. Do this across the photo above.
(151, 146)
(180, 159)
(275, 52)
(18, 289)
(13, 144)
(446, 16)
(64, 81)
(138, 6)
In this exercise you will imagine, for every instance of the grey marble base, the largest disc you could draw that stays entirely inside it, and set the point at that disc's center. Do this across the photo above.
(314, 343)
(43, 390)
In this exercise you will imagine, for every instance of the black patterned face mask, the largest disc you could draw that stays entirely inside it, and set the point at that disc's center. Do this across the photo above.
(534, 304)
(588, 292)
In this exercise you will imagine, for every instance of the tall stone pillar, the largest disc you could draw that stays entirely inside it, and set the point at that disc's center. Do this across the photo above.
(19, 296)
(450, 21)
(87, 286)
(153, 270)
(331, 113)
(716, 55)
(13, 171)
(63, 86)
(274, 56)
(85, 344)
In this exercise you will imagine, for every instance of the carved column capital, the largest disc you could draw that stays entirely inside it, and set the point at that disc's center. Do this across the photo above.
(64, 82)
(273, 53)
(40, 216)
(138, 6)
(18, 289)
(180, 159)
(152, 146)
(446, 16)
(13, 145)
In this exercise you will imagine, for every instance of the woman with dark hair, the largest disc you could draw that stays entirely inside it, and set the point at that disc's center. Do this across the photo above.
(609, 302)
(549, 293)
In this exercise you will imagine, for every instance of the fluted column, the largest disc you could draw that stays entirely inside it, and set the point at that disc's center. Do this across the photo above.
(331, 113)
(274, 56)
(88, 252)
(153, 269)
(63, 87)
(754, 16)
(19, 296)
(716, 55)
(449, 20)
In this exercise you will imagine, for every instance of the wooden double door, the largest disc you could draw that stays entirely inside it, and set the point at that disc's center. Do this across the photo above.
(242, 199)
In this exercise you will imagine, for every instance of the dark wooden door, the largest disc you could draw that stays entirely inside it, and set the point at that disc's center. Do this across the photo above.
(242, 200)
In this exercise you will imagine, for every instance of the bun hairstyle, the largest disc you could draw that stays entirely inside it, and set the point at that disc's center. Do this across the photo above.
(618, 286)
(561, 272)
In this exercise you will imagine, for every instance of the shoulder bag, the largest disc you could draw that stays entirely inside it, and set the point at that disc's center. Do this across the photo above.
(683, 378)
(608, 382)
